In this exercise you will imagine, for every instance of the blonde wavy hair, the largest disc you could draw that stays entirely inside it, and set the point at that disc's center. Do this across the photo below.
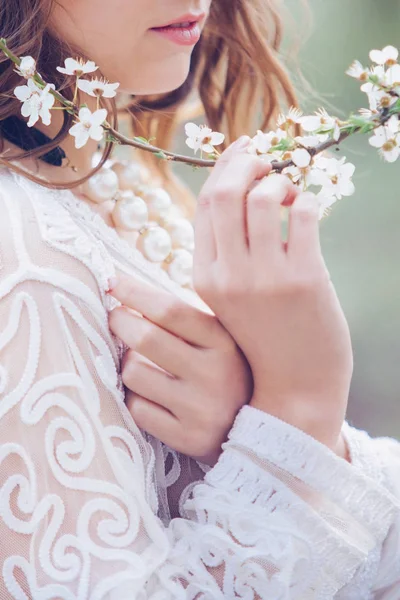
(236, 70)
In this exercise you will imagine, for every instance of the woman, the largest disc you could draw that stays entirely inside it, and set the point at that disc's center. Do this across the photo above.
(98, 501)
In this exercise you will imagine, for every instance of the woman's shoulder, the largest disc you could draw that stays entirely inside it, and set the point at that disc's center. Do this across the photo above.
(36, 222)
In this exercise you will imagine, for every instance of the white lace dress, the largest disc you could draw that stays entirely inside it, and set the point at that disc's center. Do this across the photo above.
(91, 507)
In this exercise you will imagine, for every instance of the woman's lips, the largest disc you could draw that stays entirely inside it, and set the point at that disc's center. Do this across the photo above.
(185, 34)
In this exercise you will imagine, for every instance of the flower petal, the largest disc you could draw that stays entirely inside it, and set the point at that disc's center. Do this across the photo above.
(74, 130)
(310, 123)
(191, 143)
(391, 53)
(207, 148)
(82, 138)
(377, 140)
(45, 115)
(301, 158)
(98, 117)
(391, 156)
(393, 75)
(217, 138)
(89, 67)
(86, 86)
(192, 130)
(84, 114)
(96, 132)
(22, 92)
(110, 90)
(34, 116)
(347, 188)
(377, 56)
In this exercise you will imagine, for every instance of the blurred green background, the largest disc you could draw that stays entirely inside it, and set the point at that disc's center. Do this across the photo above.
(361, 241)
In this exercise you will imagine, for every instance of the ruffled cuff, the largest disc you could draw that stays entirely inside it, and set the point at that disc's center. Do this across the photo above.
(302, 457)
(291, 478)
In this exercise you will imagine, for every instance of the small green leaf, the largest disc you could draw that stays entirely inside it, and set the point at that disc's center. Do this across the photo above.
(161, 155)
(285, 144)
(141, 139)
(111, 138)
(395, 108)
(374, 79)
(358, 121)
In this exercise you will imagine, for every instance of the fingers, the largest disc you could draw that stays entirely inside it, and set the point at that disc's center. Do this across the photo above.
(205, 246)
(229, 205)
(264, 204)
(237, 146)
(303, 244)
(147, 380)
(225, 192)
(166, 310)
(205, 249)
(154, 419)
(158, 345)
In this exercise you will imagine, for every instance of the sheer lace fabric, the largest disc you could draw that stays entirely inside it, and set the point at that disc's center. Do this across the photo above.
(92, 507)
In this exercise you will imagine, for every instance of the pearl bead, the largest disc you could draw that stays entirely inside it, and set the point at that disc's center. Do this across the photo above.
(130, 212)
(180, 268)
(182, 233)
(158, 202)
(155, 244)
(102, 186)
(130, 174)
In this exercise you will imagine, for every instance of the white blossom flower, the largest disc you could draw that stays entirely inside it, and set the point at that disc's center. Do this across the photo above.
(302, 168)
(202, 138)
(377, 97)
(263, 142)
(321, 121)
(88, 126)
(294, 173)
(36, 102)
(357, 71)
(392, 76)
(387, 56)
(97, 87)
(387, 139)
(368, 113)
(301, 158)
(334, 176)
(292, 118)
(77, 67)
(27, 67)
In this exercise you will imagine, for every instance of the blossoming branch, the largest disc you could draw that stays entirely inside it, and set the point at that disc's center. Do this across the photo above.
(301, 158)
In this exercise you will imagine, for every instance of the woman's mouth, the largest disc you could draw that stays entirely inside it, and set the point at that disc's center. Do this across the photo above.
(186, 33)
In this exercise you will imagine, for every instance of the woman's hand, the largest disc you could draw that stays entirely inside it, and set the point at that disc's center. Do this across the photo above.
(197, 380)
(275, 298)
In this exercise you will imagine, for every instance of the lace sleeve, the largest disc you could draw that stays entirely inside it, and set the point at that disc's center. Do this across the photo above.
(379, 459)
(278, 517)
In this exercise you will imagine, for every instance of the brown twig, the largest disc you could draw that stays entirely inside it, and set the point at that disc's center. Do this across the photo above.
(278, 166)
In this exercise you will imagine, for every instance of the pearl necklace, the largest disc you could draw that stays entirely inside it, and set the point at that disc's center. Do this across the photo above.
(161, 234)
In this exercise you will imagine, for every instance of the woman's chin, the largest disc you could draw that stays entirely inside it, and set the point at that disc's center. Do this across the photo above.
(168, 81)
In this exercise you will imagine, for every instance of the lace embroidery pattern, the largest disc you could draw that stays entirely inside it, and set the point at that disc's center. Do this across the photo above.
(82, 488)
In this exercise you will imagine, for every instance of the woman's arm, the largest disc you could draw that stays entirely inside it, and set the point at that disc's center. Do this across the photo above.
(78, 502)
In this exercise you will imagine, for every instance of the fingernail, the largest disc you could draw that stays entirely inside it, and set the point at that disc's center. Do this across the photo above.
(112, 283)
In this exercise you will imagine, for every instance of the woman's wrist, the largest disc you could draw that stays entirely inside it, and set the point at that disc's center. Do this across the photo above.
(307, 416)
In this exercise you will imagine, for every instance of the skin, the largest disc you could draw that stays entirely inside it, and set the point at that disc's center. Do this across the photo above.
(278, 337)
(155, 65)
